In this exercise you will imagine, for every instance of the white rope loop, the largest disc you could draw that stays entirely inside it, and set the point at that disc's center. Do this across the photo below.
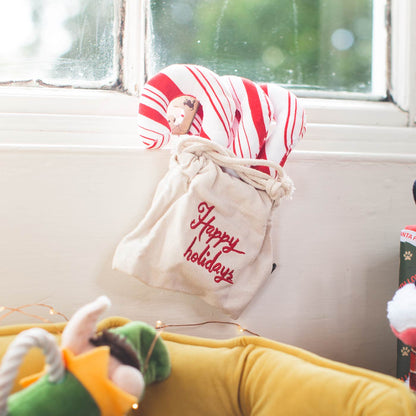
(277, 188)
(35, 337)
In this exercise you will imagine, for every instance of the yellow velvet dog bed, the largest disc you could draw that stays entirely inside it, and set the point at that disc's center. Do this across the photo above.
(252, 376)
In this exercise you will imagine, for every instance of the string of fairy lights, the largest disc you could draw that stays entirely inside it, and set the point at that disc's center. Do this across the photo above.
(161, 325)
(6, 311)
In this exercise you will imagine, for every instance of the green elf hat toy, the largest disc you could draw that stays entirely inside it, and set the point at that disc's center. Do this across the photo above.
(102, 374)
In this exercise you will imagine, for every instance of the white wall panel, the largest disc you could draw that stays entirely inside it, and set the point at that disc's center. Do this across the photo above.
(63, 210)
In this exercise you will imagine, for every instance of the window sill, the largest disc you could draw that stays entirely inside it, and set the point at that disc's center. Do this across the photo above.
(107, 119)
(354, 112)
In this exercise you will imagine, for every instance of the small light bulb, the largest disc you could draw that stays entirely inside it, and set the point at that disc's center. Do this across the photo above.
(135, 406)
(51, 312)
(240, 328)
(159, 324)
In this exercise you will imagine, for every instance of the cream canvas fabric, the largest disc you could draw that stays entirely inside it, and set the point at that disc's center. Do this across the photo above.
(207, 232)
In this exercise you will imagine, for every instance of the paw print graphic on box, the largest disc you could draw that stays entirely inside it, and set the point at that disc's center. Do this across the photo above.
(405, 351)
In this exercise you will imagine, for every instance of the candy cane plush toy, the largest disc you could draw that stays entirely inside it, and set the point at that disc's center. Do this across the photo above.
(254, 121)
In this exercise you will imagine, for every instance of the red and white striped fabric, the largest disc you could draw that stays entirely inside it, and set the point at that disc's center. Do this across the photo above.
(253, 118)
(214, 119)
(290, 124)
(263, 122)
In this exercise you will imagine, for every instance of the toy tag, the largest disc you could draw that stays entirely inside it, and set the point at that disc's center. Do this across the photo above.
(181, 112)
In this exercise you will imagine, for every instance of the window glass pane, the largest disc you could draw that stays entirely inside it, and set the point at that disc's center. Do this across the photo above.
(63, 41)
(312, 44)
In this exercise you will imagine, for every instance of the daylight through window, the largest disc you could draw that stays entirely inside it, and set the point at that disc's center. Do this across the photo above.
(315, 46)
(58, 41)
(318, 45)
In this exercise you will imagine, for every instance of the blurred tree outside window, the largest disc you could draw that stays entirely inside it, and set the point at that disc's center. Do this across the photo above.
(313, 45)
(322, 45)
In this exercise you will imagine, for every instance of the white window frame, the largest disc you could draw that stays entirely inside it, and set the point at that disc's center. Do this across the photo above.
(79, 117)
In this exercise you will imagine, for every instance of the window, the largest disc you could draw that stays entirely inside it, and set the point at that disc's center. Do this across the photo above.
(314, 45)
(59, 42)
(337, 54)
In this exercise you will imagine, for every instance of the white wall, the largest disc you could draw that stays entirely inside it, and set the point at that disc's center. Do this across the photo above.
(63, 210)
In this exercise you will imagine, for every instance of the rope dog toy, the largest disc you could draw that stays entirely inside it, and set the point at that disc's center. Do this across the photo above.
(91, 374)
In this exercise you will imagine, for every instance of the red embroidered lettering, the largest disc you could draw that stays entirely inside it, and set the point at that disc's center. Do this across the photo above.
(224, 277)
(214, 238)
(213, 233)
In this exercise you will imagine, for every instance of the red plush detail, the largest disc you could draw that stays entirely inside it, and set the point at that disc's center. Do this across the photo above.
(408, 336)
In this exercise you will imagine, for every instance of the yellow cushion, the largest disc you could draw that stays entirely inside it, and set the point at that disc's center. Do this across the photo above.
(252, 376)
(258, 377)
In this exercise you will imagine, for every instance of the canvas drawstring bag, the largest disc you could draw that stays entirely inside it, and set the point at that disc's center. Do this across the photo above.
(207, 232)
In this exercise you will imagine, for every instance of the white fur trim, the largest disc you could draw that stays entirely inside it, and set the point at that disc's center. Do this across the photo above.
(401, 310)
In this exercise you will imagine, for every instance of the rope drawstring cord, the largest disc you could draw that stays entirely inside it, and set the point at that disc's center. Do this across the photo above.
(276, 187)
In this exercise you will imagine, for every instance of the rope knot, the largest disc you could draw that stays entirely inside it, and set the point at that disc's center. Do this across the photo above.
(282, 187)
